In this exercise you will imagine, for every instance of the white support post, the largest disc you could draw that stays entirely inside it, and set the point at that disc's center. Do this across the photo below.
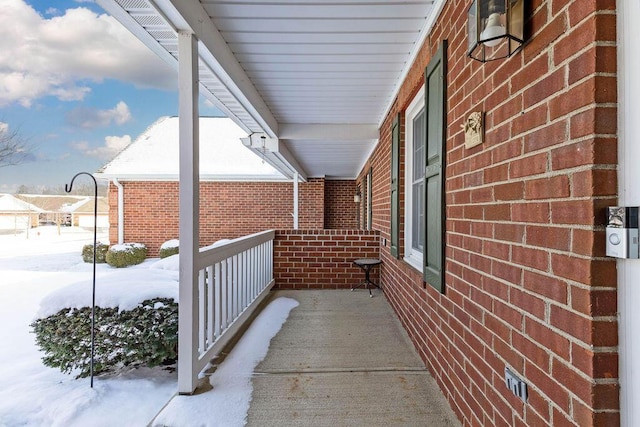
(189, 212)
(120, 188)
(628, 13)
(296, 178)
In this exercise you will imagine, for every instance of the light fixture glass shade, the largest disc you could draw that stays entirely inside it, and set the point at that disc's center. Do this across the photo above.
(495, 29)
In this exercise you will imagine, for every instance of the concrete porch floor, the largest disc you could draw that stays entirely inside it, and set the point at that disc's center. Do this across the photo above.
(343, 359)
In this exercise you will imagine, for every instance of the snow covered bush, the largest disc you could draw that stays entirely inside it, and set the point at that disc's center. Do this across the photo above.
(145, 335)
(126, 254)
(169, 248)
(101, 252)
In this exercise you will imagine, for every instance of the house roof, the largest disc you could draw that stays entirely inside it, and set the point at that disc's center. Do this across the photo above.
(50, 202)
(318, 77)
(154, 155)
(11, 204)
(86, 206)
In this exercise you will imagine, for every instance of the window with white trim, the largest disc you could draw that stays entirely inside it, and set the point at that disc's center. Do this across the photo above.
(415, 128)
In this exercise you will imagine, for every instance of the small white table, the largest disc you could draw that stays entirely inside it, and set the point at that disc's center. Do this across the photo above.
(366, 264)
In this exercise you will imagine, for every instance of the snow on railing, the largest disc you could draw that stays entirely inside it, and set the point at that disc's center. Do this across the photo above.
(234, 277)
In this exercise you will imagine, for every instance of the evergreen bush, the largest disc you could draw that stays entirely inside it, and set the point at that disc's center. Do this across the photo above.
(168, 248)
(146, 335)
(101, 253)
(126, 254)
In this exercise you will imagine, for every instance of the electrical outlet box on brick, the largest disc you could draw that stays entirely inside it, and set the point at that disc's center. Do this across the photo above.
(517, 386)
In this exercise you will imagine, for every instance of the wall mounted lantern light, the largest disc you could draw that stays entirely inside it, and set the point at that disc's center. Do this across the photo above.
(496, 29)
(356, 198)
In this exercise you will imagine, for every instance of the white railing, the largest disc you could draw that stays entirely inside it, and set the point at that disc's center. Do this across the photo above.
(233, 279)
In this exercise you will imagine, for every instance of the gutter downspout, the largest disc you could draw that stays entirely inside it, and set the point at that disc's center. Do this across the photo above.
(295, 200)
(120, 210)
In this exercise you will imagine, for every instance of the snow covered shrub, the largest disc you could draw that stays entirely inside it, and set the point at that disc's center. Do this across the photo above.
(146, 335)
(101, 253)
(169, 248)
(126, 254)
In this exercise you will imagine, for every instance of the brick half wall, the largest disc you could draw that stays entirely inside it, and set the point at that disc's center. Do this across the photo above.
(323, 259)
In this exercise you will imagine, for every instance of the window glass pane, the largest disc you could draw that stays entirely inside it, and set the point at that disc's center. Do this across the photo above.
(418, 145)
(417, 184)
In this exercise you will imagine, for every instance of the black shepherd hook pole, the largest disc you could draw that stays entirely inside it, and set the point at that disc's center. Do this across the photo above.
(68, 188)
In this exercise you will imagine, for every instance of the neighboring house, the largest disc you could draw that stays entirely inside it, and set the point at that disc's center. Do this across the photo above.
(68, 209)
(16, 214)
(240, 192)
(493, 255)
(81, 213)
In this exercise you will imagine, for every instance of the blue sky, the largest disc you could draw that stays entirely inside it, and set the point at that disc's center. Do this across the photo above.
(77, 86)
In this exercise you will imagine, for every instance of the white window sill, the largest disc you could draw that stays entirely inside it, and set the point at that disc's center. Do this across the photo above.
(415, 262)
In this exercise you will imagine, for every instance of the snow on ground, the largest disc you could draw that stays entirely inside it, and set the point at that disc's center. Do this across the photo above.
(227, 403)
(45, 271)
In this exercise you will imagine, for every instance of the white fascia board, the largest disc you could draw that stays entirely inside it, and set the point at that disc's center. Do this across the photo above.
(367, 157)
(274, 152)
(338, 178)
(334, 132)
(203, 178)
(117, 12)
(438, 5)
(225, 110)
(223, 63)
(284, 155)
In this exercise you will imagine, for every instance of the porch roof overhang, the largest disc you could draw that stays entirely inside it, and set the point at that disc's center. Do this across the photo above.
(314, 78)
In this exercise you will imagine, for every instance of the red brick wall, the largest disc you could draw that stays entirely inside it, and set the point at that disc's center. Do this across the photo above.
(231, 209)
(311, 204)
(227, 210)
(340, 211)
(527, 282)
(322, 259)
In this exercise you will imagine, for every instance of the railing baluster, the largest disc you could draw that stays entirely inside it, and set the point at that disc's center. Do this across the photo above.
(254, 279)
(218, 300)
(261, 264)
(243, 280)
(210, 305)
(224, 295)
(236, 288)
(229, 291)
(202, 346)
(270, 259)
(229, 281)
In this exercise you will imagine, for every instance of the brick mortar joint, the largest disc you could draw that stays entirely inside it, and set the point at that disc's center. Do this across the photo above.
(603, 349)
(549, 301)
(511, 244)
(567, 143)
(585, 227)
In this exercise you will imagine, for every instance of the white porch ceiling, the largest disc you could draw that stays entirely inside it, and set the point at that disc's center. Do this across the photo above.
(317, 75)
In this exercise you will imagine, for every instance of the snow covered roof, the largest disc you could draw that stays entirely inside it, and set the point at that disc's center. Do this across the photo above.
(72, 207)
(87, 206)
(51, 202)
(8, 203)
(154, 155)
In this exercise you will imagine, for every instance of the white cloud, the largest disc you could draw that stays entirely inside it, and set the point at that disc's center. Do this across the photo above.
(62, 55)
(90, 118)
(112, 146)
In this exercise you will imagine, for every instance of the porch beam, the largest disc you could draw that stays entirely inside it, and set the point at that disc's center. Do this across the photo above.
(189, 211)
(335, 132)
(217, 54)
(276, 153)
